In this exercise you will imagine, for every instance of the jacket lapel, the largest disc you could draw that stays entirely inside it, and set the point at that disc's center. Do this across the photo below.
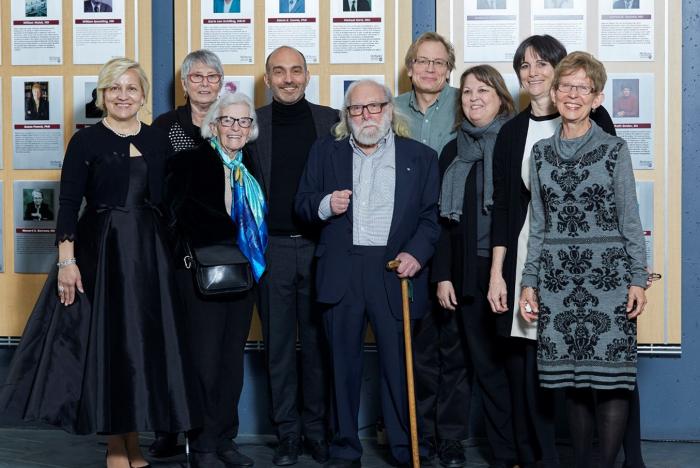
(265, 146)
(404, 181)
(342, 166)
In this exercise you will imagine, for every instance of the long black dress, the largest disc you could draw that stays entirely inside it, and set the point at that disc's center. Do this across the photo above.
(111, 362)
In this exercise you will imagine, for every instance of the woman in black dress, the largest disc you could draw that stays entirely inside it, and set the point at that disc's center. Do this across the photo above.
(213, 199)
(462, 255)
(102, 349)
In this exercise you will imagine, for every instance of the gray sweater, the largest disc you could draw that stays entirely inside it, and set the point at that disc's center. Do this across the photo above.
(583, 194)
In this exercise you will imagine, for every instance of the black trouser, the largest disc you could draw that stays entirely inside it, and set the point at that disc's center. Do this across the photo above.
(346, 323)
(217, 329)
(287, 305)
(443, 376)
(486, 351)
(533, 406)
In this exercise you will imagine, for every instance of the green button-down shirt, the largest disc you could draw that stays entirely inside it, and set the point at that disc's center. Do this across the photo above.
(435, 128)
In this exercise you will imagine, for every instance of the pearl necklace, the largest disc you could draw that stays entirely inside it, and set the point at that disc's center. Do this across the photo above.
(123, 135)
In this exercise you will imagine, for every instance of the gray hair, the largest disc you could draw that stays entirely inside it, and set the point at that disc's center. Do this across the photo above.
(398, 122)
(203, 56)
(228, 99)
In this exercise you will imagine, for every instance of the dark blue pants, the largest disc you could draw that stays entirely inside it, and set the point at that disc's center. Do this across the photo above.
(346, 324)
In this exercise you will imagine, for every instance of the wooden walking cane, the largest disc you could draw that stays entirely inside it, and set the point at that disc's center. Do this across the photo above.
(408, 348)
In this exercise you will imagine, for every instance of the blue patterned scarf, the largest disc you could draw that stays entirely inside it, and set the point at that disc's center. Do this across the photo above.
(248, 210)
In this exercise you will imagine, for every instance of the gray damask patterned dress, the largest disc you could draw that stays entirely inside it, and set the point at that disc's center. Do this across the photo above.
(586, 248)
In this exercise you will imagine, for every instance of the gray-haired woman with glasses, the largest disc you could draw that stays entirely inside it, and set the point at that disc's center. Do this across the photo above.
(210, 196)
(201, 77)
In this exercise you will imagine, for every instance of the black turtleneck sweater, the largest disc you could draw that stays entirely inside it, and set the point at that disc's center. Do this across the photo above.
(293, 133)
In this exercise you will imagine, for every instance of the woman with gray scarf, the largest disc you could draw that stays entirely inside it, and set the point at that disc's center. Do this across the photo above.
(463, 255)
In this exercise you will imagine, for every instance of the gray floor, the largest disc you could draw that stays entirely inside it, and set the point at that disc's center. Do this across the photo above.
(31, 447)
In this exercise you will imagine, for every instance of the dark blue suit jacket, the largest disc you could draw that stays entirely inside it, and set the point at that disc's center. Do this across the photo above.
(414, 226)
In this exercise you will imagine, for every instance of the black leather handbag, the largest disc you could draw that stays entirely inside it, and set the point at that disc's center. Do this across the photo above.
(219, 269)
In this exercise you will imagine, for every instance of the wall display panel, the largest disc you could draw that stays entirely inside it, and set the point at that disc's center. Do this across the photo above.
(99, 31)
(293, 22)
(274, 24)
(242, 84)
(37, 122)
(650, 66)
(563, 19)
(65, 80)
(351, 20)
(490, 30)
(228, 29)
(36, 31)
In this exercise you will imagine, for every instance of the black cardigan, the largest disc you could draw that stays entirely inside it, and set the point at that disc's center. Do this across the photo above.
(96, 166)
(511, 197)
(456, 251)
(194, 197)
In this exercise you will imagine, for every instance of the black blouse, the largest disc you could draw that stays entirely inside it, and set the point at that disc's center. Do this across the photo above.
(96, 167)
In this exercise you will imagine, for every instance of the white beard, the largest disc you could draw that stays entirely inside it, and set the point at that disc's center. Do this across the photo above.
(367, 133)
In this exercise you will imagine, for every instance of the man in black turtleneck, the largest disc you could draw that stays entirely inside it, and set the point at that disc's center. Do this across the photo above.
(288, 128)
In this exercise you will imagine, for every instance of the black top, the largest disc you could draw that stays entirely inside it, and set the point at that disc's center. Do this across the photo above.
(177, 123)
(96, 166)
(293, 133)
(511, 197)
(195, 196)
(456, 252)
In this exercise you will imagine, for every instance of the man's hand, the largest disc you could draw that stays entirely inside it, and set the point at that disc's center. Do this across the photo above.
(409, 265)
(340, 200)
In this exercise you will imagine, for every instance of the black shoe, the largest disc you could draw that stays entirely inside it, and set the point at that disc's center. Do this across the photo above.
(164, 446)
(205, 460)
(341, 463)
(232, 458)
(451, 454)
(287, 452)
(318, 449)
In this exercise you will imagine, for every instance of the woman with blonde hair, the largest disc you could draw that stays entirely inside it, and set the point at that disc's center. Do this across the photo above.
(101, 352)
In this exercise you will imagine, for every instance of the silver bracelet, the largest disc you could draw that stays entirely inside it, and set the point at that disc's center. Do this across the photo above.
(66, 262)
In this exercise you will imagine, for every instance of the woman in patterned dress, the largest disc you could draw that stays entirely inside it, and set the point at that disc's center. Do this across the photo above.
(584, 278)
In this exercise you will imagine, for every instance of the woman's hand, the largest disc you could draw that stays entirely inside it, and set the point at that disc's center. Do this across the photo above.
(636, 301)
(446, 295)
(498, 294)
(529, 307)
(68, 281)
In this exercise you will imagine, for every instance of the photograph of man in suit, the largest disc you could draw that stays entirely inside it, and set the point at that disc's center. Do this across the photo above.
(37, 210)
(227, 6)
(298, 383)
(97, 6)
(357, 5)
(373, 193)
(292, 6)
(626, 4)
(36, 107)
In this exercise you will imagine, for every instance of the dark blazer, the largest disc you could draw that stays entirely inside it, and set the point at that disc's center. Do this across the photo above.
(34, 112)
(87, 7)
(511, 198)
(261, 149)
(46, 214)
(194, 196)
(414, 228)
(361, 5)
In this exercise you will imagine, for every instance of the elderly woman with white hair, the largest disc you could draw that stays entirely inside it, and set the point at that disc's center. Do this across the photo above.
(213, 199)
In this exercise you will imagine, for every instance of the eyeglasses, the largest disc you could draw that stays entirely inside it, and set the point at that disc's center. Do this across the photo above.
(197, 78)
(226, 121)
(583, 90)
(425, 62)
(372, 108)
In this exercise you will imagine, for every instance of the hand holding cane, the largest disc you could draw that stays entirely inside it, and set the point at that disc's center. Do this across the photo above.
(408, 348)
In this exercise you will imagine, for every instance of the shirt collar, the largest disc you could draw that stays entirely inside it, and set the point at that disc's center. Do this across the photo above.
(389, 137)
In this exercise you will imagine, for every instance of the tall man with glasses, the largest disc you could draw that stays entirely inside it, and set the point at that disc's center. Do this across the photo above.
(441, 366)
(374, 195)
(288, 128)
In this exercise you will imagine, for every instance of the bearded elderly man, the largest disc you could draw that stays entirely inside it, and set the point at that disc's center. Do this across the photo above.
(374, 194)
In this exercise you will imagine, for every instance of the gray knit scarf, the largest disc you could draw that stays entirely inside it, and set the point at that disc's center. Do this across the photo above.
(473, 144)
